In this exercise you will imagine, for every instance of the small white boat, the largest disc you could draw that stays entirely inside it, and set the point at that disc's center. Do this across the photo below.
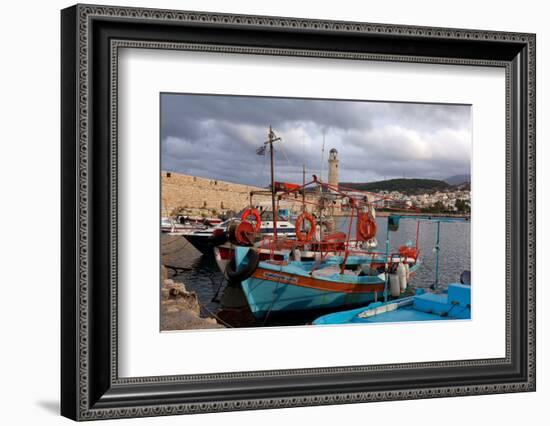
(172, 227)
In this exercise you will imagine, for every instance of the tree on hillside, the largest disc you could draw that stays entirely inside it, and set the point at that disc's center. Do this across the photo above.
(462, 206)
(408, 186)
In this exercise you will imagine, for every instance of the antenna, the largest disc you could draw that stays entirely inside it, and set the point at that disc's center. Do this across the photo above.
(303, 187)
(322, 156)
(321, 186)
(303, 149)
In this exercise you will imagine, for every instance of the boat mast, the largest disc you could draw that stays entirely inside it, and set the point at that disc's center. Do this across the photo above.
(272, 138)
(436, 282)
(322, 156)
(303, 173)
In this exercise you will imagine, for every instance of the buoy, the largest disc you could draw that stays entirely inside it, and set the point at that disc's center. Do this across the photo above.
(366, 226)
(402, 274)
(408, 271)
(303, 235)
(257, 217)
(372, 243)
(395, 289)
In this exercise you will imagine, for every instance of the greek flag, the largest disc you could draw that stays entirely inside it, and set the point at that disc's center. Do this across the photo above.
(261, 150)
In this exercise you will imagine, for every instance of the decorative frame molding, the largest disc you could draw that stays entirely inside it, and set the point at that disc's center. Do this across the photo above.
(91, 37)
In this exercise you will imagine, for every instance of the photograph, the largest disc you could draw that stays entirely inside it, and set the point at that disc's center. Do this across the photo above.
(278, 212)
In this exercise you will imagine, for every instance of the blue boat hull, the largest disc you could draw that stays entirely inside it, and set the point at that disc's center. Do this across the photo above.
(453, 305)
(269, 297)
(280, 288)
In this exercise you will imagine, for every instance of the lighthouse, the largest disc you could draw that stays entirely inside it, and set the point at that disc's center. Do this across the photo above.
(333, 168)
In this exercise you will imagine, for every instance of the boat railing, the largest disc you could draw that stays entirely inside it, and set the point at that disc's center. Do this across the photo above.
(333, 247)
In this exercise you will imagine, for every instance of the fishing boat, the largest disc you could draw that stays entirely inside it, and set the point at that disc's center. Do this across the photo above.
(215, 239)
(322, 268)
(450, 304)
(453, 302)
(264, 228)
(200, 238)
(341, 272)
(166, 224)
(278, 287)
(339, 275)
(344, 280)
(171, 226)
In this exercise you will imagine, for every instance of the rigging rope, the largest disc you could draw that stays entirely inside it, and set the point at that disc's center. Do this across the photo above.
(284, 153)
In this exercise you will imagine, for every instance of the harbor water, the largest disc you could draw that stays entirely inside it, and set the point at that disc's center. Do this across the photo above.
(454, 244)
(204, 278)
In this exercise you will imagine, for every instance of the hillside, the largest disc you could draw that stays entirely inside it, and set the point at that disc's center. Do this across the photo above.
(407, 186)
(458, 179)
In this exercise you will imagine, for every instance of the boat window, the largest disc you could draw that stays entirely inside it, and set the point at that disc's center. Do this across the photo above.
(266, 215)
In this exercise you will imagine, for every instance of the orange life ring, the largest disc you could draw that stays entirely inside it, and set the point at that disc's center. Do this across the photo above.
(256, 214)
(305, 236)
(366, 226)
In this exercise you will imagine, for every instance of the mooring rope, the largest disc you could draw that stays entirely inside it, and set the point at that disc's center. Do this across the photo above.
(176, 250)
(214, 315)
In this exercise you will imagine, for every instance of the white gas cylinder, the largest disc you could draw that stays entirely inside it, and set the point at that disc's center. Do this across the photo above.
(402, 274)
(395, 289)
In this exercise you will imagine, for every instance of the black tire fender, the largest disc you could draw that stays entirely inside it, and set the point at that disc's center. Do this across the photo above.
(246, 272)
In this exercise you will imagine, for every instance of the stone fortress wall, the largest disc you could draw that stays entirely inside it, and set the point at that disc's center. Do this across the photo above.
(201, 195)
(213, 197)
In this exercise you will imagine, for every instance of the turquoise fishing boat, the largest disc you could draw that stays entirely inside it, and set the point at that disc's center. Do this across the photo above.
(277, 287)
(339, 269)
(452, 304)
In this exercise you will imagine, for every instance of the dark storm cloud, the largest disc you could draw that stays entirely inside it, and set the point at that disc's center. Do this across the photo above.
(216, 137)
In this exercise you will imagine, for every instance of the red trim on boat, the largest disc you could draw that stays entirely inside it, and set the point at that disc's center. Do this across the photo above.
(310, 282)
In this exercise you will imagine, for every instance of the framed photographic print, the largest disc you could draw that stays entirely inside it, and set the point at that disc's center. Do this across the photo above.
(263, 212)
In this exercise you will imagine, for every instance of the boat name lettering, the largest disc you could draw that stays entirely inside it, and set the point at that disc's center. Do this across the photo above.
(279, 277)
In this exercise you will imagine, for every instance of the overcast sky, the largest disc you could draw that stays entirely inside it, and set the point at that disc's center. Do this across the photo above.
(217, 136)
